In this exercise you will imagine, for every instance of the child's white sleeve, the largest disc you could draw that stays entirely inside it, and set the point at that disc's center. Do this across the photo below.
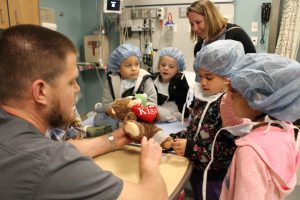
(107, 97)
(150, 90)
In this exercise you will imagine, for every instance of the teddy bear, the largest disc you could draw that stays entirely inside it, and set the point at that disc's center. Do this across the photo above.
(101, 118)
(138, 120)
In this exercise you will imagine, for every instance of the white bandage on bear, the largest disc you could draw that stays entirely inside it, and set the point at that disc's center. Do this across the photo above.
(160, 137)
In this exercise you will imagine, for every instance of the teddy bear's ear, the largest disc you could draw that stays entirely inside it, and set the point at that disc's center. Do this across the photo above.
(130, 97)
(133, 102)
(111, 112)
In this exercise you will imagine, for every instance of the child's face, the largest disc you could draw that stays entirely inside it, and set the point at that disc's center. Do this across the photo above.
(167, 68)
(211, 83)
(241, 106)
(130, 68)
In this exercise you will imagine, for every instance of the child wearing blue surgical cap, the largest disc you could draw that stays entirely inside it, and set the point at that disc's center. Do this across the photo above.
(266, 90)
(213, 63)
(170, 84)
(125, 77)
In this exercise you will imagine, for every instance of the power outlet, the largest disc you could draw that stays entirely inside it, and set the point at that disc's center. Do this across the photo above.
(160, 13)
(254, 40)
(254, 26)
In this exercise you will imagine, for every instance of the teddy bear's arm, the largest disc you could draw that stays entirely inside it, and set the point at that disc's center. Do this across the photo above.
(151, 130)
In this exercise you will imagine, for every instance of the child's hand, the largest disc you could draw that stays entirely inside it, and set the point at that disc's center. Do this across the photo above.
(179, 146)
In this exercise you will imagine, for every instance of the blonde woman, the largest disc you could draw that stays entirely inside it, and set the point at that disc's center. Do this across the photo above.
(208, 25)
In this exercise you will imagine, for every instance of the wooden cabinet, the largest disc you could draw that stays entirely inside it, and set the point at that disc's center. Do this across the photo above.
(4, 21)
(19, 12)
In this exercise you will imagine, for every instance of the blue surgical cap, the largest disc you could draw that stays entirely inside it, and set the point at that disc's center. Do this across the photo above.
(218, 57)
(120, 54)
(270, 84)
(174, 53)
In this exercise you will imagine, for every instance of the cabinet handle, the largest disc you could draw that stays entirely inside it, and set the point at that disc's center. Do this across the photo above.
(16, 17)
(2, 18)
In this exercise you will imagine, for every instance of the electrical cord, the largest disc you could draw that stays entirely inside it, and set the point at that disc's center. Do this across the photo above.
(107, 25)
(99, 77)
(263, 32)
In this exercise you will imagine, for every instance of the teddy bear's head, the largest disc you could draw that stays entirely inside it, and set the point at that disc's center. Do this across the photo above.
(99, 108)
(128, 108)
(119, 108)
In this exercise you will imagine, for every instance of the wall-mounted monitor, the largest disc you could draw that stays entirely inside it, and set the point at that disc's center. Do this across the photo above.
(113, 6)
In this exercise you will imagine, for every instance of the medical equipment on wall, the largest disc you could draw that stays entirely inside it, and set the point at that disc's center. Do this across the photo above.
(112, 6)
(161, 15)
(96, 49)
(167, 31)
(148, 50)
(170, 20)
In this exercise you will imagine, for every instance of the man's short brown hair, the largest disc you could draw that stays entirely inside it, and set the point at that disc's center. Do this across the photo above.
(28, 53)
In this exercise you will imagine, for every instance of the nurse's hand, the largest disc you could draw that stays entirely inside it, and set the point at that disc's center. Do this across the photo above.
(151, 153)
(179, 146)
(121, 138)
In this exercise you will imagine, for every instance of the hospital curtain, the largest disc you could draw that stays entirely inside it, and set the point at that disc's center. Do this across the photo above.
(289, 33)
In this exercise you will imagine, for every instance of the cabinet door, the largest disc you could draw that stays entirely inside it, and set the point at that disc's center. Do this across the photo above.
(24, 12)
(4, 21)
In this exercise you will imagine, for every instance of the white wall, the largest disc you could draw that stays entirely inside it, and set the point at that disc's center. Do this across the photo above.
(158, 2)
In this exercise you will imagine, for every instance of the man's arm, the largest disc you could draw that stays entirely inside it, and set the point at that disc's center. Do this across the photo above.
(99, 145)
(152, 185)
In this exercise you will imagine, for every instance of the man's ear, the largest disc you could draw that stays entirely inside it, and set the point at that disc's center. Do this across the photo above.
(40, 90)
